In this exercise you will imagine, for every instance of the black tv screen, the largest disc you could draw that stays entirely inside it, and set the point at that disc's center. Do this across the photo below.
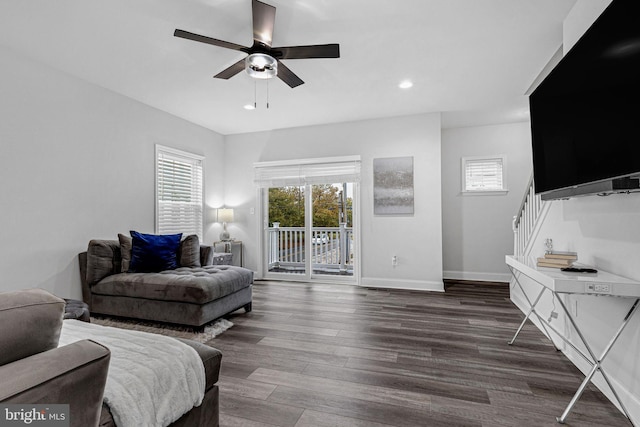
(585, 116)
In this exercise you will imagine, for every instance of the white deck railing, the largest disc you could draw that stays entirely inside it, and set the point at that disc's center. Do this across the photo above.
(332, 248)
(526, 220)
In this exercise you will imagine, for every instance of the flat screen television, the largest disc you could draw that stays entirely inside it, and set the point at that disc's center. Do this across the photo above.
(585, 115)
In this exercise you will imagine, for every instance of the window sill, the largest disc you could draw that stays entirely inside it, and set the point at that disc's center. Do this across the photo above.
(485, 193)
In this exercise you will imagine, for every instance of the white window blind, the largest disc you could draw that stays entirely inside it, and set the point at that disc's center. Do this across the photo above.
(307, 171)
(483, 174)
(179, 192)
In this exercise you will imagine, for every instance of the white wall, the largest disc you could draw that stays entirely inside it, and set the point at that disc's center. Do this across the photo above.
(477, 228)
(76, 163)
(605, 232)
(416, 240)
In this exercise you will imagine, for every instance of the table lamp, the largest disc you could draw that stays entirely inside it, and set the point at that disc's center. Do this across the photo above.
(225, 215)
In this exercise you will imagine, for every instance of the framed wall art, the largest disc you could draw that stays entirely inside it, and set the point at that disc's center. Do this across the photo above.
(393, 186)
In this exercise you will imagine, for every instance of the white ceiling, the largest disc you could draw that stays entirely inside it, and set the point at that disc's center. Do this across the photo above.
(463, 56)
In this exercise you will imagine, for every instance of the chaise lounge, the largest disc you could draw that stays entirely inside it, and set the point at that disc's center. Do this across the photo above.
(195, 293)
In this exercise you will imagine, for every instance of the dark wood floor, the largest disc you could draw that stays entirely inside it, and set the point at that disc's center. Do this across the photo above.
(338, 355)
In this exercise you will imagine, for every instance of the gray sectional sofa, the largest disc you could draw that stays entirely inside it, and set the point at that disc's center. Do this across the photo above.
(193, 295)
(34, 370)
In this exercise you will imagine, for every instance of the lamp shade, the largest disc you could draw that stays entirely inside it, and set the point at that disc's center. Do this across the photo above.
(225, 215)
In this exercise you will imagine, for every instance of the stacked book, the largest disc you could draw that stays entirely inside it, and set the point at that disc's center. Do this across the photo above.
(558, 259)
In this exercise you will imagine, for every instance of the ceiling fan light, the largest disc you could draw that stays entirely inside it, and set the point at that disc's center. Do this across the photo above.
(261, 66)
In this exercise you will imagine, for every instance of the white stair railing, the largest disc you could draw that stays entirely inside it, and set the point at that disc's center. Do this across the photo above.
(526, 220)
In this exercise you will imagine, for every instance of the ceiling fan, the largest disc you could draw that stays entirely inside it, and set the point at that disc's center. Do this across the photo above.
(263, 60)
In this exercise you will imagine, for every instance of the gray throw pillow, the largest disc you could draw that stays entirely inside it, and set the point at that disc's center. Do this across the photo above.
(100, 260)
(126, 244)
(190, 251)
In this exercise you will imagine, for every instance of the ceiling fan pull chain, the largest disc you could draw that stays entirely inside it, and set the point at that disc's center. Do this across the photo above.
(255, 96)
(267, 94)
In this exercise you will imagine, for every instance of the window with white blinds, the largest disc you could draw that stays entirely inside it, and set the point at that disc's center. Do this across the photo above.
(179, 192)
(484, 174)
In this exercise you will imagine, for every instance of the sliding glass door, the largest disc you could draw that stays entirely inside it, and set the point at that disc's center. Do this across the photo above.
(310, 232)
(309, 217)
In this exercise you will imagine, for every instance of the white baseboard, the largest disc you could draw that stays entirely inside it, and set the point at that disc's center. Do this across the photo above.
(415, 285)
(480, 277)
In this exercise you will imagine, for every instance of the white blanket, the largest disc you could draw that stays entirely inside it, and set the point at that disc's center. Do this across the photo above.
(153, 379)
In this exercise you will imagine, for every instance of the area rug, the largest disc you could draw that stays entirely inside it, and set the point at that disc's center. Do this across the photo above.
(210, 331)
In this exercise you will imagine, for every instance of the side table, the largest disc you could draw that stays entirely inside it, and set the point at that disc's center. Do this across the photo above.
(222, 258)
(232, 246)
(75, 309)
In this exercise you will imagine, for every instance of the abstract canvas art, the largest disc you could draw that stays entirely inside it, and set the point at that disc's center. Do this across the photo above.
(393, 186)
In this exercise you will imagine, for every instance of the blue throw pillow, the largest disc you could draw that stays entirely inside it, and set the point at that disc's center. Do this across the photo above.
(154, 253)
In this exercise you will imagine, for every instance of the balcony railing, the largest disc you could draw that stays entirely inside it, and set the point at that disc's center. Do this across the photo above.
(332, 249)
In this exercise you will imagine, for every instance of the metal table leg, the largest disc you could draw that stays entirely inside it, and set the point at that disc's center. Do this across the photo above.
(597, 362)
(526, 317)
(531, 310)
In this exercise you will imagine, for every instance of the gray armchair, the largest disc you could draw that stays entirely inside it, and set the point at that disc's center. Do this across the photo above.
(33, 370)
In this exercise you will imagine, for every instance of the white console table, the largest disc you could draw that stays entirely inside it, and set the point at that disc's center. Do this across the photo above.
(558, 282)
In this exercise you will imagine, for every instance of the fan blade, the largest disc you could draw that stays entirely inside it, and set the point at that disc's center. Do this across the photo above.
(227, 73)
(264, 16)
(302, 52)
(208, 40)
(287, 76)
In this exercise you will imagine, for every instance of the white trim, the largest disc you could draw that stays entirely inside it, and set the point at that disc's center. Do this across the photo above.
(477, 276)
(260, 227)
(485, 193)
(356, 217)
(179, 152)
(312, 161)
(414, 285)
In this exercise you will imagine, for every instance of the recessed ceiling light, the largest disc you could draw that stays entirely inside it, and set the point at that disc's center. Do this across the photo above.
(405, 84)
(249, 107)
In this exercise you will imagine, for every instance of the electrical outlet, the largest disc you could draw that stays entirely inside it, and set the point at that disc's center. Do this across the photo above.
(394, 260)
(252, 211)
(598, 288)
